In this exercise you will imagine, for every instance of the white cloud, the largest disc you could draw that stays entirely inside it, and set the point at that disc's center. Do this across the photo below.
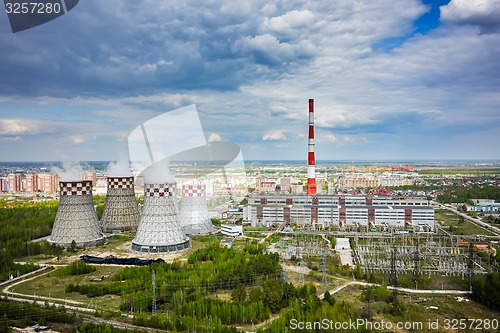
(329, 138)
(338, 117)
(214, 137)
(290, 22)
(274, 135)
(20, 126)
(78, 139)
(480, 12)
(267, 48)
(10, 138)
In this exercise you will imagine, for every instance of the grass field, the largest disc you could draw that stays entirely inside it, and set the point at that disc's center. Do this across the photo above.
(447, 218)
(53, 287)
(417, 310)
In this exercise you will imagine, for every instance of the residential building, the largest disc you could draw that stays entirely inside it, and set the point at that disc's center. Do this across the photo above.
(14, 182)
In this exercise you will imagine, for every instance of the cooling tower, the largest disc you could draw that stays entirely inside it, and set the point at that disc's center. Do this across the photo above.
(76, 219)
(121, 212)
(159, 230)
(194, 216)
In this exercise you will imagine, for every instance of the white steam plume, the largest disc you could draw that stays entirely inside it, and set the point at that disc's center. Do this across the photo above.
(158, 173)
(70, 172)
(119, 168)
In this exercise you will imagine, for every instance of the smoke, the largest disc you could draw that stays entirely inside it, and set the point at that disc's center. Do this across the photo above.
(158, 173)
(70, 172)
(120, 168)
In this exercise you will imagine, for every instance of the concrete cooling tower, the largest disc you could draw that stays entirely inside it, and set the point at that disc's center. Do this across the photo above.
(194, 216)
(76, 219)
(159, 230)
(121, 211)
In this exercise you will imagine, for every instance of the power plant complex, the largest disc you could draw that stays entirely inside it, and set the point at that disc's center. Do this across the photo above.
(161, 228)
(325, 211)
(76, 220)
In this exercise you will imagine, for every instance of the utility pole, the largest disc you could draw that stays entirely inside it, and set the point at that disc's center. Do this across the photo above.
(323, 267)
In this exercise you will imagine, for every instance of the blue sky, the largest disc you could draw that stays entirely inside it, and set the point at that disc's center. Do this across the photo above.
(391, 79)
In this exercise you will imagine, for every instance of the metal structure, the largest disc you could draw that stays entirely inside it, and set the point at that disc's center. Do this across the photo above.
(300, 245)
(153, 305)
(194, 216)
(76, 219)
(418, 255)
(302, 278)
(311, 174)
(121, 211)
(159, 229)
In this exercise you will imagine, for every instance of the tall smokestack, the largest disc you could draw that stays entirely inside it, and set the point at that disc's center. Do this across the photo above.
(311, 173)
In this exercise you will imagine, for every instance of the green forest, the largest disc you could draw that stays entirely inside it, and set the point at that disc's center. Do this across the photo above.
(189, 294)
(23, 221)
(486, 290)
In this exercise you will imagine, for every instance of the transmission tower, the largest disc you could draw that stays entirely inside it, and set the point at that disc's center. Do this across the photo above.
(393, 279)
(416, 262)
(302, 271)
(285, 277)
(154, 309)
(471, 264)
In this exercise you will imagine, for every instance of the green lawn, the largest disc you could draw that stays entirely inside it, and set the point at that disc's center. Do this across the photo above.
(51, 286)
(447, 218)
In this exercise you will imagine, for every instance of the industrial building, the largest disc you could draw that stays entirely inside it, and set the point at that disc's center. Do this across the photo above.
(231, 230)
(329, 210)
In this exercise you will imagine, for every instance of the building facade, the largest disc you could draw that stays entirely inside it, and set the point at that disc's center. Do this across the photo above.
(31, 183)
(48, 182)
(3, 185)
(341, 211)
(231, 230)
(14, 182)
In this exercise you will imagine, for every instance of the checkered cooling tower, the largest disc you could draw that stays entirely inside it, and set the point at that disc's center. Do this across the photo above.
(159, 229)
(76, 219)
(121, 211)
(194, 216)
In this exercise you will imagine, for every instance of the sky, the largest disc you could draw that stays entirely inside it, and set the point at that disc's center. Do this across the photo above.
(391, 80)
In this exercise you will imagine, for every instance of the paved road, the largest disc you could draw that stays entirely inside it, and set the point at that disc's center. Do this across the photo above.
(406, 290)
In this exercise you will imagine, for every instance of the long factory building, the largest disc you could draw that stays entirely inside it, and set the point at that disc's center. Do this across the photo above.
(344, 211)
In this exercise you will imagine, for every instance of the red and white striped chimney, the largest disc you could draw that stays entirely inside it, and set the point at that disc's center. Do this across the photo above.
(311, 173)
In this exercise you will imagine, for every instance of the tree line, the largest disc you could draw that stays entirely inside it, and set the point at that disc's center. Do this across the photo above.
(486, 290)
